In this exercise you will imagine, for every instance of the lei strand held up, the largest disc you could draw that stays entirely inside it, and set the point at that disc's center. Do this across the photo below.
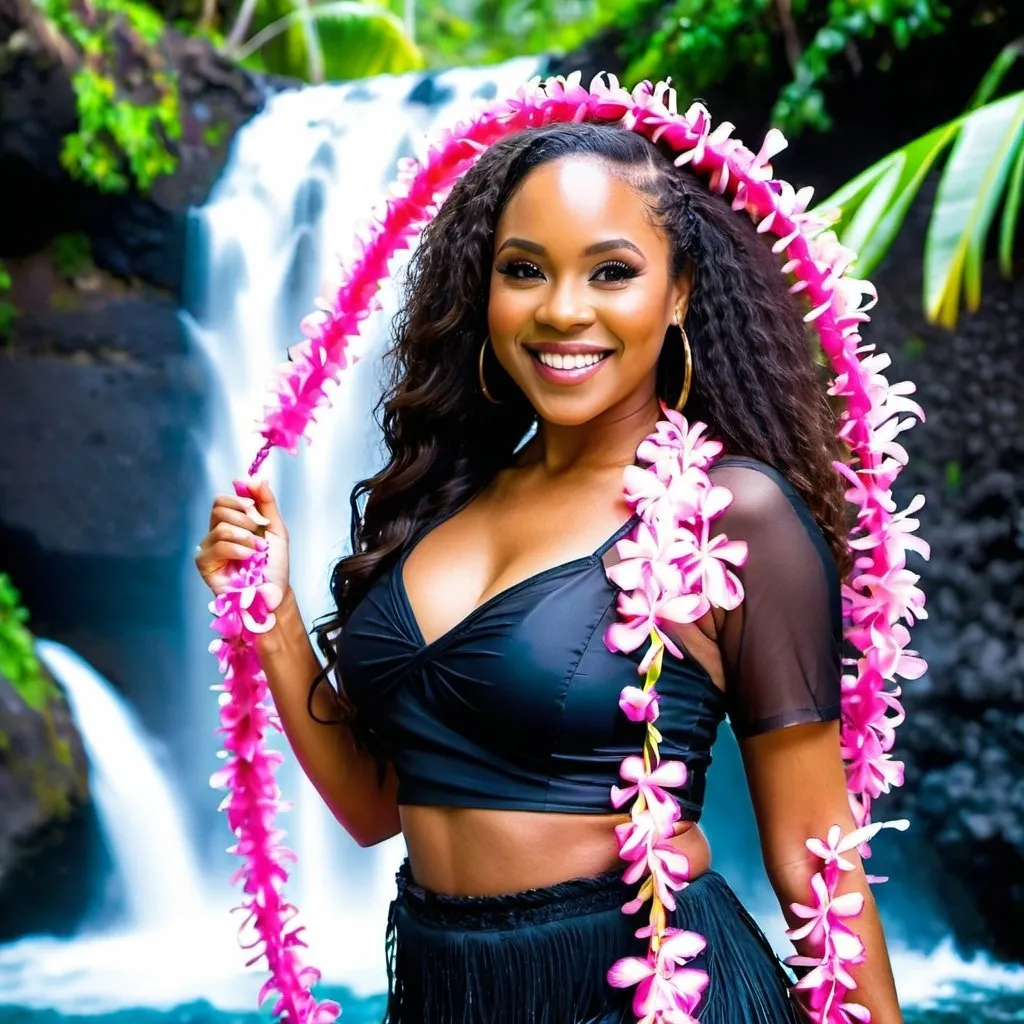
(671, 571)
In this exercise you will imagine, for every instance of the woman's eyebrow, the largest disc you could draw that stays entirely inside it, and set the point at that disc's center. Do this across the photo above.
(591, 250)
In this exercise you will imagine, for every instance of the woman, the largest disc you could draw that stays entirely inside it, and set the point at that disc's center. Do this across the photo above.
(477, 706)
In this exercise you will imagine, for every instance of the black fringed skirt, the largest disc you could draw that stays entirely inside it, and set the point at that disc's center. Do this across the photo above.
(541, 956)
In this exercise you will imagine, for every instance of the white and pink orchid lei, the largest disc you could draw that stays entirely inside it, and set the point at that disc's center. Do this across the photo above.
(673, 571)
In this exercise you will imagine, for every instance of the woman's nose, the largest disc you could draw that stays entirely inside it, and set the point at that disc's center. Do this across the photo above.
(566, 308)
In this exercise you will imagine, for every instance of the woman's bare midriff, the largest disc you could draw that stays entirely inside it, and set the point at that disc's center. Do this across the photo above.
(472, 852)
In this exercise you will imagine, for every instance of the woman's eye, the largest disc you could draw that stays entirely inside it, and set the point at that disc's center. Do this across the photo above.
(520, 270)
(612, 272)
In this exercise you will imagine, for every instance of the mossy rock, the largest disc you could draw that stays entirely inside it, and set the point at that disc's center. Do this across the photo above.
(43, 778)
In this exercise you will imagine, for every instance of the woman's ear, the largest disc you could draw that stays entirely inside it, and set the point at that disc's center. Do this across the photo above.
(683, 290)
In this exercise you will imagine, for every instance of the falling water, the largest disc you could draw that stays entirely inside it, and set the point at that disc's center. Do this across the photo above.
(138, 810)
(302, 178)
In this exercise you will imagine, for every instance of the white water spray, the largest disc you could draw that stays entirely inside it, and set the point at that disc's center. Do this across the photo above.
(138, 809)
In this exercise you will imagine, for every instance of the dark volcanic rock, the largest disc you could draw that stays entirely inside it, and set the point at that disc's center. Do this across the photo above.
(963, 740)
(132, 235)
(99, 391)
(43, 790)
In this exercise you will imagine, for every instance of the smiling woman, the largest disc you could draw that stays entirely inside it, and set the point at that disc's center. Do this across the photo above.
(491, 617)
(584, 296)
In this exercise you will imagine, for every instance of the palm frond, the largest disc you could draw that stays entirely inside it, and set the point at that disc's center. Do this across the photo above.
(343, 39)
(985, 170)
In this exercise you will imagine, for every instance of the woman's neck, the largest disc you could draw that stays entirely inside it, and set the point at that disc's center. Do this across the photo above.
(607, 442)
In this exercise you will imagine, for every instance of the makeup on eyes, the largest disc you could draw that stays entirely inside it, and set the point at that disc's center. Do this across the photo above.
(514, 269)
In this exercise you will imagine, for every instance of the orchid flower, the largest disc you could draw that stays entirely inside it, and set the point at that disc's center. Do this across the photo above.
(651, 786)
(663, 981)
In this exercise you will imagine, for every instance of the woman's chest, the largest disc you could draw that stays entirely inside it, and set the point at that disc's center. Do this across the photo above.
(530, 660)
(497, 546)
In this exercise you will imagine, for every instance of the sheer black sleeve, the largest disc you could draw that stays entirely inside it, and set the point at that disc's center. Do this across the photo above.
(781, 647)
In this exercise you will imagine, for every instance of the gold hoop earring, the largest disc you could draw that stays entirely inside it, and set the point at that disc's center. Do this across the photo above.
(687, 358)
(480, 372)
(688, 371)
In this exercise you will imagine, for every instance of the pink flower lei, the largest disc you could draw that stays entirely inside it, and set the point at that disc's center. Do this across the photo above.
(671, 571)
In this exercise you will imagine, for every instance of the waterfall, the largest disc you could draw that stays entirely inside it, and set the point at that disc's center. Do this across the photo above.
(173, 943)
(137, 807)
(301, 179)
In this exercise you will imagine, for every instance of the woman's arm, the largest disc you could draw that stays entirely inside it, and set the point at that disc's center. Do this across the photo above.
(798, 787)
(783, 681)
(346, 777)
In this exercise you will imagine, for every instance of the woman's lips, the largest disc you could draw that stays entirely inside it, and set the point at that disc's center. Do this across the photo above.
(573, 375)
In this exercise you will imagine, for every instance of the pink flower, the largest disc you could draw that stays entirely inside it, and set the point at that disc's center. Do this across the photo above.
(677, 445)
(663, 981)
(650, 853)
(666, 496)
(704, 566)
(832, 848)
(824, 919)
(893, 595)
(651, 786)
(644, 611)
(648, 551)
(888, 652)
(639, 706)
(870, 770)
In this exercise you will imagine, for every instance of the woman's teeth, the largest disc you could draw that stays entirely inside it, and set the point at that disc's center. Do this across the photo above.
(557, 361)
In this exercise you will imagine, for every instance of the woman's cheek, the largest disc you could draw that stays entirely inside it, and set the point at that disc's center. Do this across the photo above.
(507, 313)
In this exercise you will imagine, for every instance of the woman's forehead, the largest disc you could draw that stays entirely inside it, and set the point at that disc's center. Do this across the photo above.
(579, 194)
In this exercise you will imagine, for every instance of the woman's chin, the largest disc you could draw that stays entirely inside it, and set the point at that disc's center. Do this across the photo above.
(569, 410)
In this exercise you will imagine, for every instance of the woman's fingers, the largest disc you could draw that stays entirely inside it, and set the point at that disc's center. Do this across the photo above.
(232, 503)
(229, 515)
(266, 504)
(238, 535)
(224, 551)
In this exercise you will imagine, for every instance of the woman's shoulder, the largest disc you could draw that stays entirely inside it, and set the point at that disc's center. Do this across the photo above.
(766, 509)
(758, 488)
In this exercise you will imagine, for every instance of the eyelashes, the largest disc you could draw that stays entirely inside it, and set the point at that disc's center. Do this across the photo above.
(611, 272)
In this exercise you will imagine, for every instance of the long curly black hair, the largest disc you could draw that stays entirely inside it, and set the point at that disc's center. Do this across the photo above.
(756, 381)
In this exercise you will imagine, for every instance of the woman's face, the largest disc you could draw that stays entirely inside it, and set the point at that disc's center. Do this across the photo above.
(581, 293)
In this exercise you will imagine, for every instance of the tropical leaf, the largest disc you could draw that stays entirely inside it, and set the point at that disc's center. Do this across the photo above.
(986, 164)
(359, 47)
(988, 150)
(993, 78)
(1011, 215)
(972, 186)
(874, 204)
(342, 39)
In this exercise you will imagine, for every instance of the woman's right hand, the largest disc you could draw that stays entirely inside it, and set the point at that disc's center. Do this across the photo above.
(241, 523)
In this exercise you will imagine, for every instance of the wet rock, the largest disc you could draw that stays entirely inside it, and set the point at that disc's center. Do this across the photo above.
(43, 788)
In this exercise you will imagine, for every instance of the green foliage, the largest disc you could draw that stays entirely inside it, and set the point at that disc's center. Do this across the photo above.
(18, 661)
(8, 311)
(342, 39)
(699, 43)
(121, 139)
(985, 171)
(72, 254)
(214, 134)
(489, 31)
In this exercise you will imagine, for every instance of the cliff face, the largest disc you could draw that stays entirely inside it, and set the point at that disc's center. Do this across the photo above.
(98, 392)
(43, 789)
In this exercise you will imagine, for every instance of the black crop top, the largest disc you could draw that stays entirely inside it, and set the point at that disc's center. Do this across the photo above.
(516, 707)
